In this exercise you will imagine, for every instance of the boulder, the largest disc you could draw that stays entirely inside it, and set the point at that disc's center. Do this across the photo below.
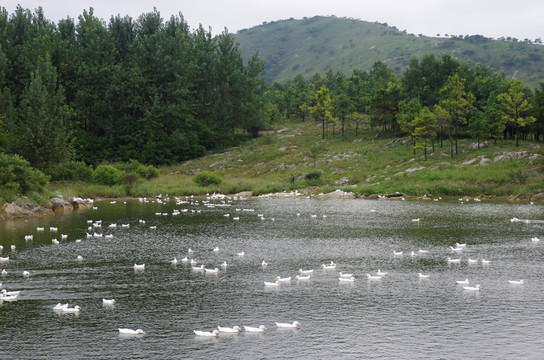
(18, 210)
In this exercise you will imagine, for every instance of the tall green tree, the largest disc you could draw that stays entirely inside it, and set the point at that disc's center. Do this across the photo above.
(41, 130)
(516, 107)
(424, 129)
(458, 103)
(321, 111)
(406, 116)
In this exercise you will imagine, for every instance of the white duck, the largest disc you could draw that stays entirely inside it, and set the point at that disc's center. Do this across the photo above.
(373, 277)
(472, 288)
(328, 267)
(340, 274)
(174, 262)
(212, 271)
(423, 276)
(10, 293)
(125, 331)
(268, 283)
(264, 264)
(139, 267)
(381, 273)
(240, 253)
(302, 277)
(453, 261)
(346, 279)
(26, 273)
(108, 302)
(75, 309)
(59, 306)
(8, 297)
(295, 324)
(231, 330)
(516, 282)
(259, 329)
(305, 271)
(224, 265)
(206, 333)
(462, 282)
(286, 279)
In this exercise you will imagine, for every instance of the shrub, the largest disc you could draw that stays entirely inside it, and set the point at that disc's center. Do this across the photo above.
(136, 167)
(147, 172)
(313, 176)
(107, 175)
(73, 170)
(17, 176)
(206, 178)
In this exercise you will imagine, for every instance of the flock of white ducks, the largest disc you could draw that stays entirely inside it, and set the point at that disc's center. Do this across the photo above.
(302, 275)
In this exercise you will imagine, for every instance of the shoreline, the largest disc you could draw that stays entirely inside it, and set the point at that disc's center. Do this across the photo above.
(23, 210)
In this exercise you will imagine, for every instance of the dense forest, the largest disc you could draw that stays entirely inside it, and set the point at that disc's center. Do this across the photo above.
(144, 89)
(86, 94)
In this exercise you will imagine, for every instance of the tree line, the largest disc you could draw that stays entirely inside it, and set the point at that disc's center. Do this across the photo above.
(155, 92)
(435, 99)
(148, 90)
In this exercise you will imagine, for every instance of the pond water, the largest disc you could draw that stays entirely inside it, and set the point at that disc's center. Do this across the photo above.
(401, 316)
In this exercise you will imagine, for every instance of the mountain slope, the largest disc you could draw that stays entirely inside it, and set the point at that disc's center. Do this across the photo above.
(315, 45)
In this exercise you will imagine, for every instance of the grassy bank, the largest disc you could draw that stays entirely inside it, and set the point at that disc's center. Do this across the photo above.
(365, 164)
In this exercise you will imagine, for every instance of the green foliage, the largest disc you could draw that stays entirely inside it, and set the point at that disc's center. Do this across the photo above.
(137, 168)
(71, 171)
(144, 89)
(107, 175)
(206, 178)
(18, 177)
(313, 178)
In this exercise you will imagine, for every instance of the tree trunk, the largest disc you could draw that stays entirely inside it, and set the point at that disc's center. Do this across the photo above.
(425, 151)
(323, 126)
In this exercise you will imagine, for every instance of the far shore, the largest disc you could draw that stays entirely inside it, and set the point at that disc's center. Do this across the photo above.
(23, 210)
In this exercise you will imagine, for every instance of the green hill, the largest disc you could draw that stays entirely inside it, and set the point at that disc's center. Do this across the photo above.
(365, 164)
(315, 45)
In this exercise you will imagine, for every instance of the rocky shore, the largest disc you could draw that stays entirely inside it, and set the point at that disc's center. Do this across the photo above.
(20, 209)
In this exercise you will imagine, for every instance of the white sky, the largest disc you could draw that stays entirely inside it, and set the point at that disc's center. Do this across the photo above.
(492, 18)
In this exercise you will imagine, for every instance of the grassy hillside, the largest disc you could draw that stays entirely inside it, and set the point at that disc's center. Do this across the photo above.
(366, 164)
(318, 44)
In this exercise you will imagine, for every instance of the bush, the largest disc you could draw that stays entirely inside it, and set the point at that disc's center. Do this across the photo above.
(313, 176)
(136, 167)
(206, 178)
(107, 175)
(147, 172)
(18, 177)
(73, 170)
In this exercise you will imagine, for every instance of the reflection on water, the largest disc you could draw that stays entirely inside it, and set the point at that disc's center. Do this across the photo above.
(399, 316)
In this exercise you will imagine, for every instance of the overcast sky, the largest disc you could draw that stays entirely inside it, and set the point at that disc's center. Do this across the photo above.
(492, 18)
